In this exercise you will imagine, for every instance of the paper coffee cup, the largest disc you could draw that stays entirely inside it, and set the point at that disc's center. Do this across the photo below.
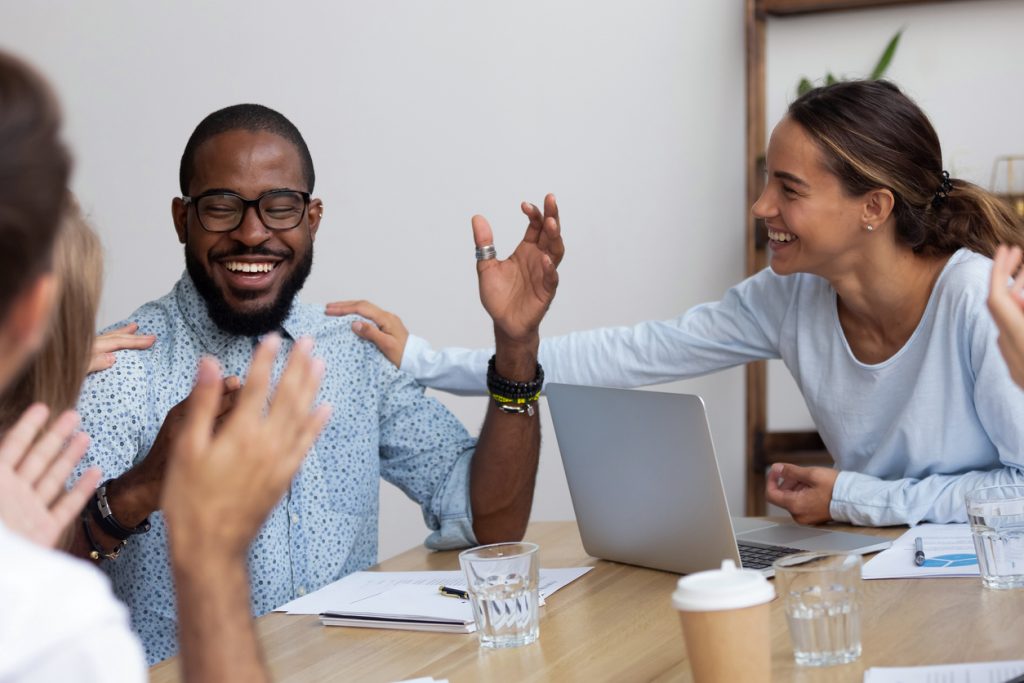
(725, 618)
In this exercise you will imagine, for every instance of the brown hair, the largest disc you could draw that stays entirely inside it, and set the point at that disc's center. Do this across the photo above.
(55, 374)
(34, 168)
(872, 136)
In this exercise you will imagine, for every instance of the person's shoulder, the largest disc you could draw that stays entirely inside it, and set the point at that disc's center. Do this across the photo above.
(967, 268)
(332, 334)
(965, 278)
(160, 318)
(771, 290)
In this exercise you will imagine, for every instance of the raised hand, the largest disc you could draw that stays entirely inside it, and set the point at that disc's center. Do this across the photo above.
(34, 464)
(220, 486)
(516, 292)
(106, 344)
(1006, 302)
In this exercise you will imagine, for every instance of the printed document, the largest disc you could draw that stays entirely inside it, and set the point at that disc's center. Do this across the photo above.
(948, 551)
(407, 600)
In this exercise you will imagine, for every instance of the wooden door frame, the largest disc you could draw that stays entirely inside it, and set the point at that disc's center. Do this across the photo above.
(763, 447)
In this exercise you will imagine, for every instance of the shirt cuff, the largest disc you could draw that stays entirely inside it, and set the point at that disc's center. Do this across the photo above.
(862, 499)
(415, 347)
(453, 516)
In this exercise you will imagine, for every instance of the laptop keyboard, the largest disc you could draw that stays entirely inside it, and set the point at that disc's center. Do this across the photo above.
(753, 556)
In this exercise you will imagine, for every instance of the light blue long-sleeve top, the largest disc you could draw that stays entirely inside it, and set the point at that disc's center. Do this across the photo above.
(910, 435)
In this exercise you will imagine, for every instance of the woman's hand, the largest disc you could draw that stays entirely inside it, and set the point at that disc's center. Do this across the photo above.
(806, 492)
(1006, 302)
(34, 464)
(115, 340)
(389, 335)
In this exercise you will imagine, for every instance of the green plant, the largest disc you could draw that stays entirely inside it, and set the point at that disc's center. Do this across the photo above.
(878, 72)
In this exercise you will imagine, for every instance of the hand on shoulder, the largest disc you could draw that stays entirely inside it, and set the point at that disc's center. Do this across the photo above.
(387, 332)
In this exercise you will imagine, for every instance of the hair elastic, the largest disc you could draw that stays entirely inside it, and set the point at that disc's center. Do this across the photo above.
(941, 194)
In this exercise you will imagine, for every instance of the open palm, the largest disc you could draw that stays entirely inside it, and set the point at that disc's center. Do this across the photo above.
(34, 464)
(517, 291)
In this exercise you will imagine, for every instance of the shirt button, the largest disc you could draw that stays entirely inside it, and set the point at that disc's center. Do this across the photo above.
(295, 518)
(302, 590)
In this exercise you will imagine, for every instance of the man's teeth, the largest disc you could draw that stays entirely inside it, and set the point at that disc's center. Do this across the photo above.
(781, 236)
(239, 267)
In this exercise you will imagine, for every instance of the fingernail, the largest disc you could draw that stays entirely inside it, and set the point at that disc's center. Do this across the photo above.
(357, 327)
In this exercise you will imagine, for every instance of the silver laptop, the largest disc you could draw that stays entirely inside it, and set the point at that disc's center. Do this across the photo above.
(647, 490)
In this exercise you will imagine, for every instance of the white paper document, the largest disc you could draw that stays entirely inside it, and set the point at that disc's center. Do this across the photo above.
(981, 672)
(407, 606)
(948, 550)
(407, 600)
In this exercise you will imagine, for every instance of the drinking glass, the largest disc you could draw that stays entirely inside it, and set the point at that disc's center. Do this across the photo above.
(503, 588)
(821, 595)
(996, 514)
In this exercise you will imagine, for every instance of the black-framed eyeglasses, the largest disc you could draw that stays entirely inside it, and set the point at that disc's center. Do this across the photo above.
(220, 211)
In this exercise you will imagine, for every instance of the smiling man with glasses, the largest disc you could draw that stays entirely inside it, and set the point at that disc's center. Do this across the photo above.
(248, 219)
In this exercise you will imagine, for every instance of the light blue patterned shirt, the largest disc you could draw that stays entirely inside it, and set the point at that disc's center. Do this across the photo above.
(326, 525)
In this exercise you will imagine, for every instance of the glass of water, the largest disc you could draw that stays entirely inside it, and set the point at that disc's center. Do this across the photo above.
(821, 595)
(996, 514)
(503, 588)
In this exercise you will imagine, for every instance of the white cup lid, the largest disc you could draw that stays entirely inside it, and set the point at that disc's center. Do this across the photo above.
(722, 589)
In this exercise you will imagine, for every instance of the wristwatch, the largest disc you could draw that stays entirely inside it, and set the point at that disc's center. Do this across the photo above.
(101, 512)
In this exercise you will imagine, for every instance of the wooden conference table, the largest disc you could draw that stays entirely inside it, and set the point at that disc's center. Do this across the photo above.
(617, 623)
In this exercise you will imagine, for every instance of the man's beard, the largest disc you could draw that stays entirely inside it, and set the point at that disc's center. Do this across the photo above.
(259, 321)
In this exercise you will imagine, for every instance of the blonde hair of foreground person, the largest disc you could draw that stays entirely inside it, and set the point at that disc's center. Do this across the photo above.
(54, 377)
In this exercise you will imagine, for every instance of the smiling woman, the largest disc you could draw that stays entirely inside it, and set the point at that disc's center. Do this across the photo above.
(875, 301)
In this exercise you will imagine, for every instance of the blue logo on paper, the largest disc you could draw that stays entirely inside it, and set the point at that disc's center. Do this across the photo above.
(953, 560)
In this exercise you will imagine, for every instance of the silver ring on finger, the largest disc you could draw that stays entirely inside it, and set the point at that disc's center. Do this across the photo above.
(486, 252)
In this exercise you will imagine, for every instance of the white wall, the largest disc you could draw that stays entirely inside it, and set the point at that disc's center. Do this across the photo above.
(419, 114)
(959, 60)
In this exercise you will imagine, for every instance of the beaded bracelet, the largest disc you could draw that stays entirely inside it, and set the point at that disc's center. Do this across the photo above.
(511, 396)
(98, 552)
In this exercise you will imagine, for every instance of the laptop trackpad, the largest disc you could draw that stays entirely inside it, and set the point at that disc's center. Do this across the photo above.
(806, 538)
(743, 525)
(782, 534)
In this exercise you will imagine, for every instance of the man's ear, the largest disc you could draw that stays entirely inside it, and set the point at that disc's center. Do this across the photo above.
(878, 206)
(24, 328)
(316, 212)
(179, 213)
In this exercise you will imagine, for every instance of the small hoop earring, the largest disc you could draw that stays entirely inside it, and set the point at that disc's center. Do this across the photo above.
(870, 228)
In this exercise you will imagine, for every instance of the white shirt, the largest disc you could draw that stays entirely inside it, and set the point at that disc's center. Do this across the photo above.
(911, 435)
(59, 620)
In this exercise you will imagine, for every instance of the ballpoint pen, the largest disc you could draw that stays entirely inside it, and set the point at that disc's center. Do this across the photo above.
(453, 592)
(918, 551)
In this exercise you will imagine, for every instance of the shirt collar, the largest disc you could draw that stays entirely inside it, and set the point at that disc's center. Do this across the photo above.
(301, 320)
